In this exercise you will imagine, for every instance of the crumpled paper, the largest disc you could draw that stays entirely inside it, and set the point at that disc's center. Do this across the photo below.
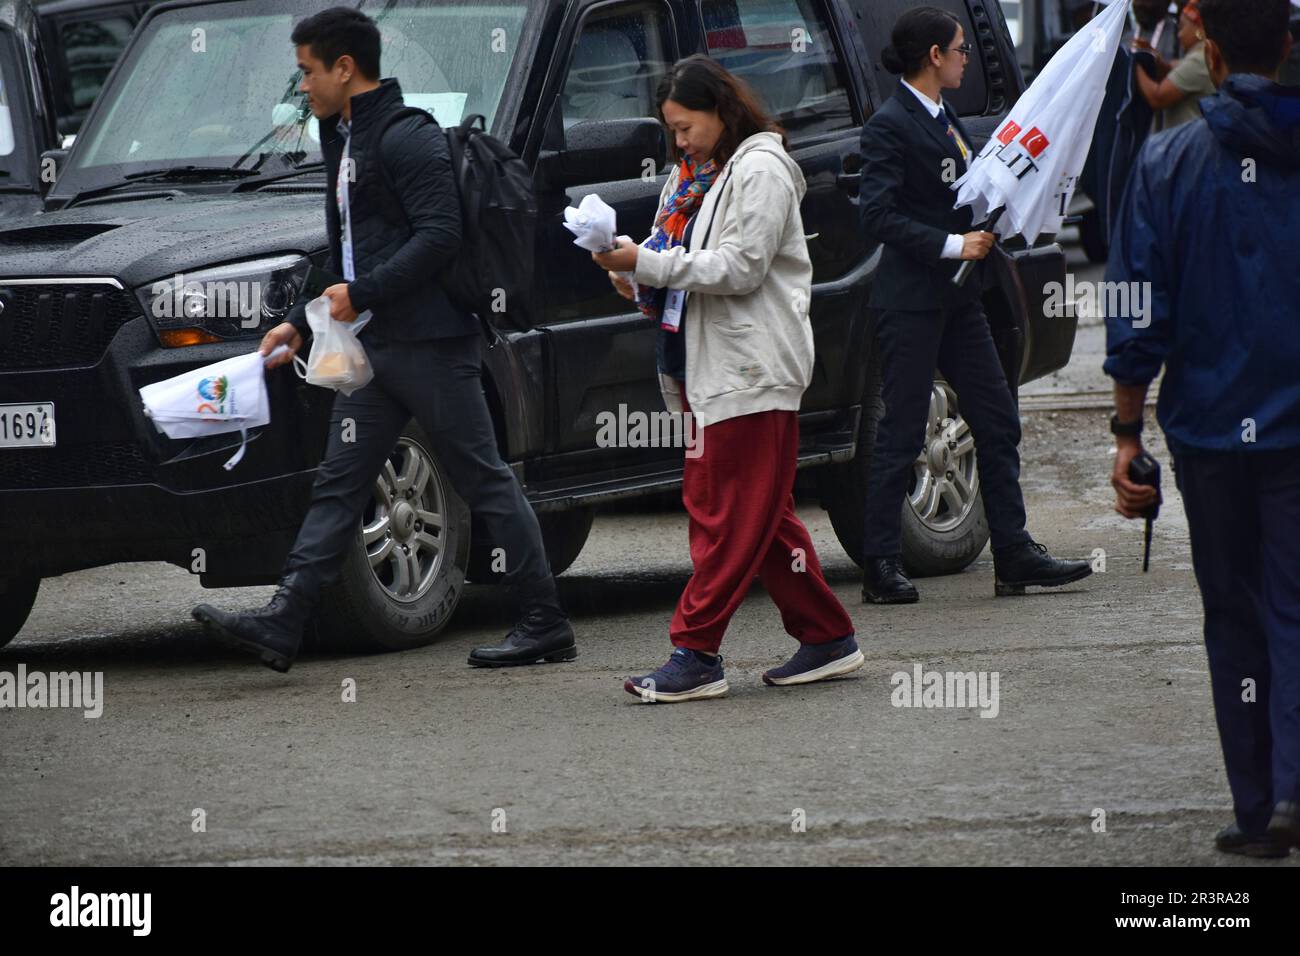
(592, 223)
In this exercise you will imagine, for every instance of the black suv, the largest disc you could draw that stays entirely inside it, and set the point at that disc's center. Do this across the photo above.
(197, 170)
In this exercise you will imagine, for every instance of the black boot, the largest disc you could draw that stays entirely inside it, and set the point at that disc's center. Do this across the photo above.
(883, 582)
(542, 634)
(1231, 839)
(1029, 565)
(272, 633)
(1284, 827)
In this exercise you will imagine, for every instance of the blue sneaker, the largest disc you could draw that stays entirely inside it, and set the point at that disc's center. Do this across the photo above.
(817, 662)
(684, 677)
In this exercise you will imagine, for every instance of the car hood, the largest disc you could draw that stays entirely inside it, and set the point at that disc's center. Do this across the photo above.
(15, 207)
(143, 240)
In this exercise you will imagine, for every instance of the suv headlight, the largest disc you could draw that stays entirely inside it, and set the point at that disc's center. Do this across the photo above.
(236, 301)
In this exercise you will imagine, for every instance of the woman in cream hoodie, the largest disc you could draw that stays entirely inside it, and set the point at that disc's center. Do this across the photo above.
(726, 276)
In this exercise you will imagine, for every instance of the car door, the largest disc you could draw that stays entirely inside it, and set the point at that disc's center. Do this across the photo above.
(795, 55)
(602, 349)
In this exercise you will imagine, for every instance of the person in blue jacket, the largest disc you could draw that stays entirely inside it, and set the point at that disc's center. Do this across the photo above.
(1209, 222)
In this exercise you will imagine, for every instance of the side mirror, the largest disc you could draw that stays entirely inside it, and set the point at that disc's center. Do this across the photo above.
(605, 150)
(52, 161)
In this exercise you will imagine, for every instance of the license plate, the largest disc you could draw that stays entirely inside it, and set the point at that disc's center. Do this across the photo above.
(27, 426)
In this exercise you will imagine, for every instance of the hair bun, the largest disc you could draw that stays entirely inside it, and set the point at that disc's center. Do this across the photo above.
(890, 60)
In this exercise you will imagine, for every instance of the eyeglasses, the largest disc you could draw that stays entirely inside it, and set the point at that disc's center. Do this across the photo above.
(964, 49)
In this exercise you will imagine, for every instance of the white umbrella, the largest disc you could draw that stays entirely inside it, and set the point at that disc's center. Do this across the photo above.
(228, 396)
(1022, 181)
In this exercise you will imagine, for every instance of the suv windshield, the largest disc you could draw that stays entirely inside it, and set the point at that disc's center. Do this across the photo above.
(213, 84)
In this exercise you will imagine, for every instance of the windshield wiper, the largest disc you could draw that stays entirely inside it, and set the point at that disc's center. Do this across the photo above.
(299, 170)
(165, 173)
(188, 172)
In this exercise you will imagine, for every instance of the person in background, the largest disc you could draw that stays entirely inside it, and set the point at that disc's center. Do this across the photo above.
(924, 321)
(1157, 30)
(1208, 224)
(726, 277)
(1177, 97)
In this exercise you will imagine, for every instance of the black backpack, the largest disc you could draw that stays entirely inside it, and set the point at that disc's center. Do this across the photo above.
(498, 214)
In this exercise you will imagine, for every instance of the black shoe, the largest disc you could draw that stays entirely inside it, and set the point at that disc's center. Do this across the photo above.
(272, 634)
(1262, 846)
(1284, 828)
(1029, 565)
(883, 582)
(540, 636)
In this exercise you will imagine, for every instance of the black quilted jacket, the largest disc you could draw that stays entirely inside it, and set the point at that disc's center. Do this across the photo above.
(398, 258)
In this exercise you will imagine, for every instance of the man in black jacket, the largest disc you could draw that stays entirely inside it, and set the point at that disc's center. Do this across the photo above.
(393, 216)
(913, 149)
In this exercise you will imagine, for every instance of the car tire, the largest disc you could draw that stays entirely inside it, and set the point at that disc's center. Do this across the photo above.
(17, 596)
(564, 533)
(935, 539)
(401, 581)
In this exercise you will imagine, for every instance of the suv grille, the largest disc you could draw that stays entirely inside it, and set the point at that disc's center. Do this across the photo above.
(80, 466)
(54, 325)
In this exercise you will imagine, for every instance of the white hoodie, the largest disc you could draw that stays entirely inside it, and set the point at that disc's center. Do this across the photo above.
(749, 344)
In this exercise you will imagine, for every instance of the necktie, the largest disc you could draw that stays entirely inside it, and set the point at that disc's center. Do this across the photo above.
(951, 131)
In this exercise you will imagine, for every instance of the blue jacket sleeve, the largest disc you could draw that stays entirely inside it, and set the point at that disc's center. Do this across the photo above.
(420, 169)
(1137, 341)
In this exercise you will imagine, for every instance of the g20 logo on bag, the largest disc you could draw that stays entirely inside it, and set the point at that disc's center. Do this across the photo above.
(214, 392)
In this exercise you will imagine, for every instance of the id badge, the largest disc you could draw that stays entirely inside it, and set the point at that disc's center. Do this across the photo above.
(349, 268)
(672, 314)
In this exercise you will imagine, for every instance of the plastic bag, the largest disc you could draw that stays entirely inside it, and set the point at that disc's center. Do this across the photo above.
(337, 359)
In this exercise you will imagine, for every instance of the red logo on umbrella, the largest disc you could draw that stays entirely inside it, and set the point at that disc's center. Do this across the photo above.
(1008, 133)
(1035, 142)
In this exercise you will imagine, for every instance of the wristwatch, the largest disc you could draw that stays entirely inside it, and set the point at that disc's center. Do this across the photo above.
(1118, 427)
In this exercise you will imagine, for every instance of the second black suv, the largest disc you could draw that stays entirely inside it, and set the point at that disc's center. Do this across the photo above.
(196, 178)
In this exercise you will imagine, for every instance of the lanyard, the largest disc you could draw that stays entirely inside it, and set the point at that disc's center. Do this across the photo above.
(345, 215)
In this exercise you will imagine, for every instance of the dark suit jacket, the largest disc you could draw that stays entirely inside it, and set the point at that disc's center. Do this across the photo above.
(905, 204)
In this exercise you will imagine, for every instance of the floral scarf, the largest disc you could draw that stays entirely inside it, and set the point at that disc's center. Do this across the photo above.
(693, 183)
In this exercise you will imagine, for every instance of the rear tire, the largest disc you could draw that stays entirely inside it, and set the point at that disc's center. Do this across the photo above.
(17, 596)
(405, 568)
(935, 539)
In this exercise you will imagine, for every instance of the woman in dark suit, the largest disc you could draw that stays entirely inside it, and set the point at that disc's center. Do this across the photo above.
(913, 149)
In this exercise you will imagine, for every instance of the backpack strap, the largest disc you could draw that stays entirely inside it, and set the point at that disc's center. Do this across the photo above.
(388, 191)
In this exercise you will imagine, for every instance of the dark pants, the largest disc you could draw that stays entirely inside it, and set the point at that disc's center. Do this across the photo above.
(1243, 511)
(957, 342)
(437, 383)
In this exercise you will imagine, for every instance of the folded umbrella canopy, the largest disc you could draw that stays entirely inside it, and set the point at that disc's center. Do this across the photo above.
(227, 396)
(1023, 179)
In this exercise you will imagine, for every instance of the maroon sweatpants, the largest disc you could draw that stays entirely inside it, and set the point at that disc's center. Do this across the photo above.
(739, 495)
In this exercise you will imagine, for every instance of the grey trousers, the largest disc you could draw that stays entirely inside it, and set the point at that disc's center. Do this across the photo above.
(437, 383)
